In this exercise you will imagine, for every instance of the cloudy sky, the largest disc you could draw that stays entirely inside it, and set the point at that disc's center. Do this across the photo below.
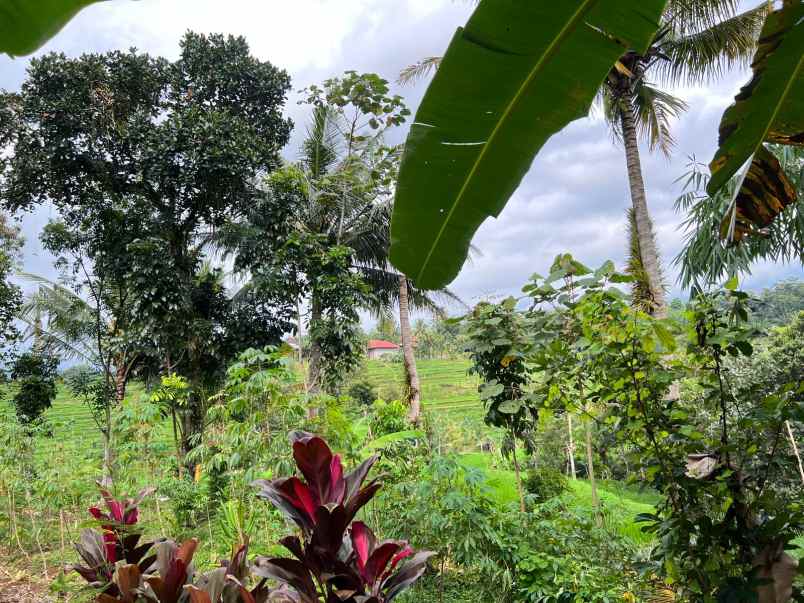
(574, 197)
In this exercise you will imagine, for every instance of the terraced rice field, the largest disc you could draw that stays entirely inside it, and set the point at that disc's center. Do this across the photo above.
(447, 388)
(447, 391)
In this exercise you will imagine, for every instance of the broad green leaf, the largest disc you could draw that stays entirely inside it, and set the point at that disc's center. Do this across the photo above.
(515, 75)
(732, 283)
(771, 106)
(510, 407)
(25, 25)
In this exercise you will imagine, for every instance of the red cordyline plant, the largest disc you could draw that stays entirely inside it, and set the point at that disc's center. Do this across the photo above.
(117, 541)
(337, 560)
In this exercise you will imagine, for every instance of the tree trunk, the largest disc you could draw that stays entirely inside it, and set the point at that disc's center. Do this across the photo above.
(649, 254)
(795, 450)
(571, 447)
(411, 374)
(120, 379)
(590, 470)
(314, 368)
(108, 449)
(519, 488)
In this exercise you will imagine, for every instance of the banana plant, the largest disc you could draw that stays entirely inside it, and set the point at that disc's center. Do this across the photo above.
(518, 73)
(25, 26)
(768, 109)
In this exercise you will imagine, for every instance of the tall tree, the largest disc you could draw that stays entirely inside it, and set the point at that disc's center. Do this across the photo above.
(172, 150)
(699, 40)
(10, 294)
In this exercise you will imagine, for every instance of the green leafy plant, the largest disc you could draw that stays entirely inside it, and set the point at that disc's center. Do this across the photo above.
(35, 375)
(545, 483)
(478, 117)
(388, 417)
(363, 392)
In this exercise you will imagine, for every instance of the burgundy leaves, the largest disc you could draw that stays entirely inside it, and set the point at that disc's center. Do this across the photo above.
(339, 560)
(116, 541)
(325, 484)
(336, 559)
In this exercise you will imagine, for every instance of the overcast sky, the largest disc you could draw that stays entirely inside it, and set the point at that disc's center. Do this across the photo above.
(574, 197)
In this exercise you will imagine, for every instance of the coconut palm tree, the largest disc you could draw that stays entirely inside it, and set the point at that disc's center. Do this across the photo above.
(699, 41)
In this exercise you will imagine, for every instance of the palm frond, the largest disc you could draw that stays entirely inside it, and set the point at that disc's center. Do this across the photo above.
(687, 16)
(412, 73)
(655, 110)
(320, 149)
(703, 56)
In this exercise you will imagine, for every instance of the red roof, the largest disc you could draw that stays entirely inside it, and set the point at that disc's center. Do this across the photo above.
(379, 344)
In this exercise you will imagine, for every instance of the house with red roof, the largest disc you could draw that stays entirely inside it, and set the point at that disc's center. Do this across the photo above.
(378, 348)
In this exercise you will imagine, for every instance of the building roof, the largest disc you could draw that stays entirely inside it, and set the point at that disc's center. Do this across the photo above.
(379, 344)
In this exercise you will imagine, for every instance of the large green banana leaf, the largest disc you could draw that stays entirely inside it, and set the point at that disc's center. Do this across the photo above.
(769, 108)
(519, 72)
(25, 25)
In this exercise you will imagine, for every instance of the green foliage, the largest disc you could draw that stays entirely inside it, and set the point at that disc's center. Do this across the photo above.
(363, 392)
(545, 483)
(388, 417)
(143, 158)
(448, 508)
(769, 108)
(498, 344)
(91, 388)
(35, 376)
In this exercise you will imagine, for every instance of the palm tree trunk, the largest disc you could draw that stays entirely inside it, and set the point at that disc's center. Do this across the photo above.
(648, 251)
(411, 374)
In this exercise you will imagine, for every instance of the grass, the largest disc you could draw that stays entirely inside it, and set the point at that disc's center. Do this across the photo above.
(620, 503)
(447, 388)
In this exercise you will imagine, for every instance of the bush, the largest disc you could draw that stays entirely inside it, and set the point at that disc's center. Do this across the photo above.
(388, 417)
(35, 375)
(363, 392)
(544, 483)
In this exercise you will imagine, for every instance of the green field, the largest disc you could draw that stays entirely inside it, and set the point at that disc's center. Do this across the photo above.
(447, 391)
(447, 388)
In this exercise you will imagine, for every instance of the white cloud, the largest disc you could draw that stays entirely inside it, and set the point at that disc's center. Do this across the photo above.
(574, 198)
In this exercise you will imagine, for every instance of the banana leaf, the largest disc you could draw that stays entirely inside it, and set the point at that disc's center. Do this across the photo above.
(764, 193)
(770, 108)
(25, 25)
(519, 72)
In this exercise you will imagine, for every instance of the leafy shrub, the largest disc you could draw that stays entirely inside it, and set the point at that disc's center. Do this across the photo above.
(388, 417)
(35, 375)
(188, 500)
(573, 560)
(449, 508)
(335, 558)
(544, 483)
(363, 392)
